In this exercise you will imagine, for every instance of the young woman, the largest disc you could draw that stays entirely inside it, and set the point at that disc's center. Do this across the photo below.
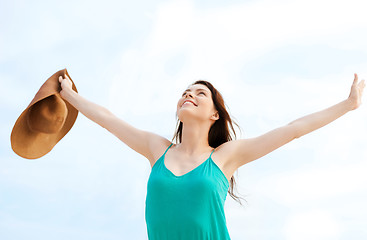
(189, 180)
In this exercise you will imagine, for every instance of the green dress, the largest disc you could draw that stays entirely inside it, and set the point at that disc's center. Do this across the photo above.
(187, 207)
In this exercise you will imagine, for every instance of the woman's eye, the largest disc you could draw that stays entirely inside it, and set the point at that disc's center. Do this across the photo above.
(199, 93)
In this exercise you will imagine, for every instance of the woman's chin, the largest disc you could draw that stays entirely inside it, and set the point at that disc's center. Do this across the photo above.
(185, 110)
(187, 114)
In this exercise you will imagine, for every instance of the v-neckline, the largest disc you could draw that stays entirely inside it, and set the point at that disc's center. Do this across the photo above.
(179, 176)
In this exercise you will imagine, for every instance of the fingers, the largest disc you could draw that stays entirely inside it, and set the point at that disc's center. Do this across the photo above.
(61, 78)
(355, 78)
(361, 84)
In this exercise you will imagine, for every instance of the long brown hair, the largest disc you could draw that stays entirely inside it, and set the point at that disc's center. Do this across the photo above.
(219, 132)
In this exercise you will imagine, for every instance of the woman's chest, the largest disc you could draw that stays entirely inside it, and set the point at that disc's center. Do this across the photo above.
(180, 166)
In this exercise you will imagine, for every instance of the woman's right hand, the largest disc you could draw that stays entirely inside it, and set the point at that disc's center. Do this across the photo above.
(66, 85)
(148, 144)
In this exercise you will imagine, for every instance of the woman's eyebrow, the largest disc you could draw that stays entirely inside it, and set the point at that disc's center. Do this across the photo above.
(196, 89)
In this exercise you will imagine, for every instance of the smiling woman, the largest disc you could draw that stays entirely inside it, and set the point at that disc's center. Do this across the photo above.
(189, 180)
(220, 131)
(194, 185)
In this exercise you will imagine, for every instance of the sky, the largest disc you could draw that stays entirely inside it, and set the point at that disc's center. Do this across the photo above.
(273, 62)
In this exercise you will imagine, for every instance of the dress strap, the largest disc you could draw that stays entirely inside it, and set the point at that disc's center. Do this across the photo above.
(167, 149)
(211, 153)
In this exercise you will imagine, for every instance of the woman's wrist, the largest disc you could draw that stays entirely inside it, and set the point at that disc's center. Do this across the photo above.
(67, 94)
(350, 104)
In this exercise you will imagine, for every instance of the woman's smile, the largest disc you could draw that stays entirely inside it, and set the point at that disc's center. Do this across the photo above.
(187, 102)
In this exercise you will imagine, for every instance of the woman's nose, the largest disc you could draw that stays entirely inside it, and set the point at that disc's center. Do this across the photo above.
(188, 94)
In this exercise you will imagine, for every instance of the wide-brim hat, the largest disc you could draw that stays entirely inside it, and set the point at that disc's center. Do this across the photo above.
(46, 120)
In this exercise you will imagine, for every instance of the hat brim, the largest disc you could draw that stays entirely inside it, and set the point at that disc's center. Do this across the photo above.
(30, 144)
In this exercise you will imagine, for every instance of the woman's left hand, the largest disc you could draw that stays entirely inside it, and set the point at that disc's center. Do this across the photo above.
(356, 92)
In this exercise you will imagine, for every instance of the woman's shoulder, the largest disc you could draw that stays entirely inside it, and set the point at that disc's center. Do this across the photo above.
(223, 153)
(158, 147)
(222, 158)
(225, 148)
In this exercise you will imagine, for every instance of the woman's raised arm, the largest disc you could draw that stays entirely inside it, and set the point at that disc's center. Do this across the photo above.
(140, 141)
(246, 150)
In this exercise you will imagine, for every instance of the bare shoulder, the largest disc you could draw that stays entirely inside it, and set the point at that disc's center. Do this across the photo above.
(222, 157)
(157, 146)
(225, 150)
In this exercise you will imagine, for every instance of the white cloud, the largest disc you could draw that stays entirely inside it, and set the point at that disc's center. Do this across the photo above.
(217, 42)
(313, 224)
(312, 184)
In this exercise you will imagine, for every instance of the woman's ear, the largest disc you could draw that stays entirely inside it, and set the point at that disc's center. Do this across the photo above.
(215, 116)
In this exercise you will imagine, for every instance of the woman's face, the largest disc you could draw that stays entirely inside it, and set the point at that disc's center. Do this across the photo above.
(196, 102)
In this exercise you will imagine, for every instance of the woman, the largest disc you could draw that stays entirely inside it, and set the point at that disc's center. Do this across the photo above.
(189, 180)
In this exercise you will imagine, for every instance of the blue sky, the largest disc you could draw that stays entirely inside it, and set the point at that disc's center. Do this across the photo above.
(273, 61)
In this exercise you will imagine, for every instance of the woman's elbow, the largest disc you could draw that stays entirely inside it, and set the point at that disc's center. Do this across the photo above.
(295, 129)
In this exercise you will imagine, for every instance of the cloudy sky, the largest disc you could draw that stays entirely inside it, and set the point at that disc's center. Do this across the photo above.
(273, 62)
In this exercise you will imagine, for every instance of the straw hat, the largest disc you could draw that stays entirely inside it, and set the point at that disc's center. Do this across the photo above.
(45, 121)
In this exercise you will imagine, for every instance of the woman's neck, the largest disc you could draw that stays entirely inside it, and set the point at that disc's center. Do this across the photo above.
(194, 138)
